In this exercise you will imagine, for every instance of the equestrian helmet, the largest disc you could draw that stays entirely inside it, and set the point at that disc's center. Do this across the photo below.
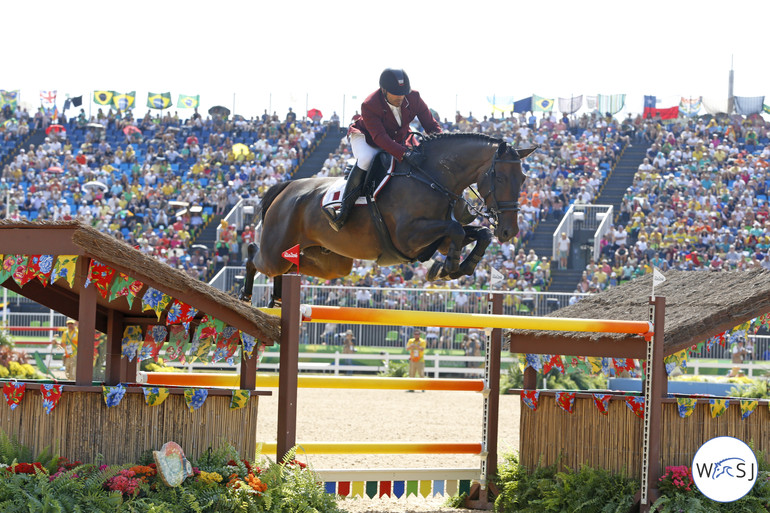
(395, 81)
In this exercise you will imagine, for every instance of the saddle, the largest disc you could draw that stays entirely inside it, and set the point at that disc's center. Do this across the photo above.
(378, 175)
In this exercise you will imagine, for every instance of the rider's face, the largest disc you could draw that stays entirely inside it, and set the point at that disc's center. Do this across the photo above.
(394, 99)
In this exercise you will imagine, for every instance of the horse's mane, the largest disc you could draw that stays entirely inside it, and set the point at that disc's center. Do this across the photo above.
(428, 139)
(270, 195)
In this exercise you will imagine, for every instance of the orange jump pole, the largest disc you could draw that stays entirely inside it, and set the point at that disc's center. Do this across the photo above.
(380, 448)
(349, 315)
(211, 379)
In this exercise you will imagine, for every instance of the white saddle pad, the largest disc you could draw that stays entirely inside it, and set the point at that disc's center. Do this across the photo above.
(333, 196)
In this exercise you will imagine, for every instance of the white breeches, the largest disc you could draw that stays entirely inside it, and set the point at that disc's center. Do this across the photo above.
(362, 151)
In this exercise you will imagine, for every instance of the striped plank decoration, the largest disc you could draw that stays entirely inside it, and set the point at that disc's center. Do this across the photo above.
(398, 483)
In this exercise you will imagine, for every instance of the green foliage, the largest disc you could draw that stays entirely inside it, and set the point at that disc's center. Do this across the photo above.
(6, 340)
(756, 389)
(456, 501)
(574, 380)
(546, 490)
(11, 451)
(395, 369)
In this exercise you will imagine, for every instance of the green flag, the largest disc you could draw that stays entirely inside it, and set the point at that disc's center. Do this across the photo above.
(766, 108)
(188, 102)
(103, 97)
(9, 98)
(124, 101)
(159, 100)
(541, 104)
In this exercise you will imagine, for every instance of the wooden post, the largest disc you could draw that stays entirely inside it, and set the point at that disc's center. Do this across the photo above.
(286, 438)
(112, 374)
(84, 369)
(248, 377)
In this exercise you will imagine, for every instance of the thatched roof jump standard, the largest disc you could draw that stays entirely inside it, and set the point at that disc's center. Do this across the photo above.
(699, 304)
(76, 238)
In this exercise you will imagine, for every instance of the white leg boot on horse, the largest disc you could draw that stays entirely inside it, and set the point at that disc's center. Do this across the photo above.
(349, 196)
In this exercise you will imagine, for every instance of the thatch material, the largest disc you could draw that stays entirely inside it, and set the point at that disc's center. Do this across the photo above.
(698, 305)
(109, 250)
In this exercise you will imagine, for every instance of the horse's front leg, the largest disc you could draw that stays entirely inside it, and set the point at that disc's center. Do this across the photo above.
(418, 234)
(483, 237)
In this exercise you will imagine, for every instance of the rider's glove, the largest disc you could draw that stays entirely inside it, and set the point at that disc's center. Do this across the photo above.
(414, 158)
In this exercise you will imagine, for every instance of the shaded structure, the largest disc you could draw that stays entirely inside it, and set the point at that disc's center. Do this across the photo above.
(81, 423)
(690, 307)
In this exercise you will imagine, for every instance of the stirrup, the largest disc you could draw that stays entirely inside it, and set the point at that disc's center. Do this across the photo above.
(335, 220)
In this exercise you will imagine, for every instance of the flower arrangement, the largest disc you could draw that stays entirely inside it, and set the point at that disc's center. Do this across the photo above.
(676, 480)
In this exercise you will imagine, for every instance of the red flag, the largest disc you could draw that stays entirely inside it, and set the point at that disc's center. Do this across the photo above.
(292, 255)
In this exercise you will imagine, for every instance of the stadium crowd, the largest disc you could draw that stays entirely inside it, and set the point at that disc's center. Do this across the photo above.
(698, 200)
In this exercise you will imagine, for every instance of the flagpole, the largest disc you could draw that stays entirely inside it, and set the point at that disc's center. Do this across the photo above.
(233, 104)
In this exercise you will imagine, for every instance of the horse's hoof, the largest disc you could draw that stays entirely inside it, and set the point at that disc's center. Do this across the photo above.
(434, 270)
(274, 303)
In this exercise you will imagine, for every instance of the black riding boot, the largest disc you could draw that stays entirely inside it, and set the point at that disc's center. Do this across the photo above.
(349, 196)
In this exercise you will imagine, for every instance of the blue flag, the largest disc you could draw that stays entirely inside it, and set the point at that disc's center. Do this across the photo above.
(524, 105)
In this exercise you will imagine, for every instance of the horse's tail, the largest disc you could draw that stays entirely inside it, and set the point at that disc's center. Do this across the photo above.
(270, 196)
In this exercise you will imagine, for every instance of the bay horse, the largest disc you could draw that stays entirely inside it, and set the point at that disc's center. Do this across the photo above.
(417, 206)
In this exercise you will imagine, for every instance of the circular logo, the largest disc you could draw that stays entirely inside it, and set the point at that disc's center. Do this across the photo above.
(724, 469)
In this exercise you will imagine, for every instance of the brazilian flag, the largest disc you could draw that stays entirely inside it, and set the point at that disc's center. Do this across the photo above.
(542, 104)
(159, 101)
(124, 101)
(766, 108)
(9, 98)
(103, 97)
(188, 102)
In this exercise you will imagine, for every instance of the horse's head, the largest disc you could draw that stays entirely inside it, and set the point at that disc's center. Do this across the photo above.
(500, 186)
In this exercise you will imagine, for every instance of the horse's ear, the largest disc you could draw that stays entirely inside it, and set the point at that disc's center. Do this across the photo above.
(526, 152)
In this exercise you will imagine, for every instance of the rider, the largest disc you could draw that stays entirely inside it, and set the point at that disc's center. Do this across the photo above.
(383, 123)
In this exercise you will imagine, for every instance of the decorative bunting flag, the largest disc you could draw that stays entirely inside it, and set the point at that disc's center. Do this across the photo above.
(19, 270)
(227, 345)
(534, 361)
(40, 267)
(530, 398)
(747, 408)
(14, 393)
(125, 286)
(240, 399)
(636, 405)
(65, 268)
(596, 364)
(113, 395)
(51, 396)
(182, 313)
(685, 405)
(155, 300)
(566, 401)
(624, 364)
(675, 360)
(132, 339)
(200, 347)
(101, 275)
(177, 338)
(195, 397)
(602, 402)
(248, 342)
(153, 342)
(551, 362)
(6, 268)
(154, 396)
(718, 407)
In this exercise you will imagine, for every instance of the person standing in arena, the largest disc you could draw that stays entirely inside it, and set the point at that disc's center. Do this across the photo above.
(383, 124)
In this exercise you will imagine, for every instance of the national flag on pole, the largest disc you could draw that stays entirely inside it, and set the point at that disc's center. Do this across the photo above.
(9, 98)
(124, 101)
(159, 100)
(524, 105)
(103, 97)
(48, 99)
(188, 102)
(570, 105)
(542, 104)
(292, 255)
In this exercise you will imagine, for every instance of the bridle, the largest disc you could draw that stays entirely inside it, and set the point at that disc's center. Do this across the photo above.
(491, 210)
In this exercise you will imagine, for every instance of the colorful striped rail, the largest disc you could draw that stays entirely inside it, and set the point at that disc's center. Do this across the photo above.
(381, 448)
(211, 379)
(350, 315)
(398, 482)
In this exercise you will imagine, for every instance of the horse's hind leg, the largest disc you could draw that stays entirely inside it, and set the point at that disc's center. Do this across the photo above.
(251, 271)
(318, 262)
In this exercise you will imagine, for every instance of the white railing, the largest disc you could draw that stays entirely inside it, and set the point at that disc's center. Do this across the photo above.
(584, 217)
(238, 214)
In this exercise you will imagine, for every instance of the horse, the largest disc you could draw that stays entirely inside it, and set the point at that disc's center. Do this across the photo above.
(418, 206)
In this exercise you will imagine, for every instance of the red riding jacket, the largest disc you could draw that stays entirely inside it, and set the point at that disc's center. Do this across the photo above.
(379, 125)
